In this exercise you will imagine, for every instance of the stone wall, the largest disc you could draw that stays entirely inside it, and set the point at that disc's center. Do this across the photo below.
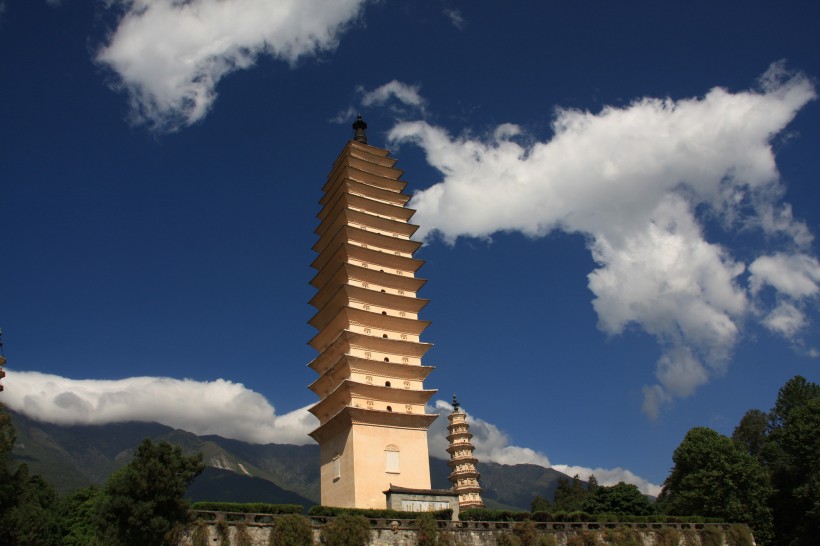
(257, 528)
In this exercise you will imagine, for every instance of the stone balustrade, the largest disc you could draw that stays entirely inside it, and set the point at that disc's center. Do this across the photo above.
(317, 522)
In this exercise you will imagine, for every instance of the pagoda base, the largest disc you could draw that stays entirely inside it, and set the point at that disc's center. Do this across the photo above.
(359, 462)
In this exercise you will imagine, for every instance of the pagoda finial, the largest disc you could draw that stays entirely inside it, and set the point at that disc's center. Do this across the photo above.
(456, 405)
(359, 130)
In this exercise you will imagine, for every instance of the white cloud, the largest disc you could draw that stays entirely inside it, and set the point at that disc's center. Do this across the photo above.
(493, 445)
(785, 319)
(631, 180)
(406, 94)
(222, 407)
(169, 55)
(344, 116)
(455, 17)
(611, 476)
(795, 275)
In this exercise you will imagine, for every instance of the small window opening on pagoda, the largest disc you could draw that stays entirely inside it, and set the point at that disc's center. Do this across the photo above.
(337, 467)
(387, 383)
(391, 456)
(384, 312)
(386, 359)
(384, 335)
(389, 408)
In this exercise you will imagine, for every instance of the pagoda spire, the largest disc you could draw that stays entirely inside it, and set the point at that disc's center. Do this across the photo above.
(360, 130)
(463, 475)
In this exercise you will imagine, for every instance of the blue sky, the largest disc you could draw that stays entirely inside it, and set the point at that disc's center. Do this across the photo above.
(620, 202)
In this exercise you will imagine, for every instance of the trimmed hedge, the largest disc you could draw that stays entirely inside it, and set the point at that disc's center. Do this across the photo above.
(482, 514)
(249, 507)
(372, 513)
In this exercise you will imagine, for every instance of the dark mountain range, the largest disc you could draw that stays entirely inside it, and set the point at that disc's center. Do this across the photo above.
(74, 456)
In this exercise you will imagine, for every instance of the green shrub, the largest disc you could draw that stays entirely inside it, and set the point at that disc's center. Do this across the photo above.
(547, 539)
(290, 530)
(584, 538)
(711, 535)
(739, 535)
(200, 536)
(242, 537)
(508, 539)
(526, 533)
(249, 507)
(667, 536)
(346, 530)
(223, 531)
(482, 514)
(690, 537)
(622, 537)
(427, 530)
(371, 513)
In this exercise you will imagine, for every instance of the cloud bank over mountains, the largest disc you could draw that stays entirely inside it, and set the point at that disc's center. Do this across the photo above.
(203, 407)
(640, 183)
(234, 411)
(168, 56)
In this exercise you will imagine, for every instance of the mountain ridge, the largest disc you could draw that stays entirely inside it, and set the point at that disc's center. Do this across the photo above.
(75, 456)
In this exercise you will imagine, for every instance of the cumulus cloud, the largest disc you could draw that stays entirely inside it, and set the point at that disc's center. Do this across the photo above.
(795, 275)
(637, 182)
(785, 319)
(169, 55)
(493, 445)
(795, 278)
(223, 408)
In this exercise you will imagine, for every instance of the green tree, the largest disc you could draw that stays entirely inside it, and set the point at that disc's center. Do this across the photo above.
(291, 530)
(791, 455)
(78, 518)
(8, 493)
(28, 505)
(346, 530)
(592, 484)
(751, 432)
(142, 503)
(714, 476)
(7, 437)
(622, 499)
(569, 496)
(540, 504)
(78, 522)
(31, 520)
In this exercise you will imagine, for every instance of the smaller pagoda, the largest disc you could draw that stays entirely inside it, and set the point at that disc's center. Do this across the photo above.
(463, 475)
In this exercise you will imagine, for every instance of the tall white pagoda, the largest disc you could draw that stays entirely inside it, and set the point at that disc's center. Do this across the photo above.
(372, 429)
